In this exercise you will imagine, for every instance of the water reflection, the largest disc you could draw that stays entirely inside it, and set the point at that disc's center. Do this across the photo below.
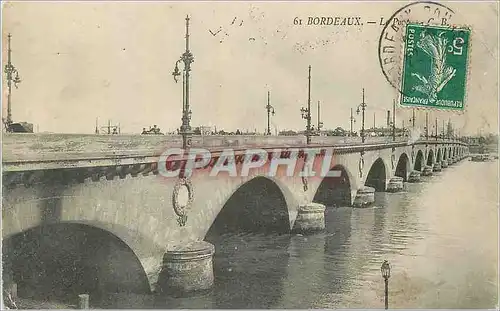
(338, 234)
(250, 269)
(304, 270)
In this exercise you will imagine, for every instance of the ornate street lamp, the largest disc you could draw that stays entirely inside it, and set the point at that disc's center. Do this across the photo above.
(363, 107)
(436, 126)
(187, 58)
(306, 115)
(12, 77)
(270, 110)
(427, 126)
(306, 112)
(412, 119)
(320, 124)
(443, 131)
(352, 120)
(386, 274)
(393, 120)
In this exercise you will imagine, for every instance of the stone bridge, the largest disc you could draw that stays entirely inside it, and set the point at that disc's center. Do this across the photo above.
(106, 193)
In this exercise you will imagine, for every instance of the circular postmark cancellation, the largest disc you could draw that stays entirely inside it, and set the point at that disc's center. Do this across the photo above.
(423, 54)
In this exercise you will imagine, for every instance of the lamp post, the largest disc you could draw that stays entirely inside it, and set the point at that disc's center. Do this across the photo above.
(270, 109)
(306, 112)
(443, 131)
(386, 274)
(320, 124)
(412, 119)
(449, 130)
(10, 71)
(187, 58)
(427, 126)
(363, 107)
(352, 120)
(393, 120)
(436, 128)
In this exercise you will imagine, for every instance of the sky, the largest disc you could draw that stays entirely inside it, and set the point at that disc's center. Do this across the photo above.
(79, 61)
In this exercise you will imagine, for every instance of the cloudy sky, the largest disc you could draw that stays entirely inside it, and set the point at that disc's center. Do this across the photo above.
(113, 60)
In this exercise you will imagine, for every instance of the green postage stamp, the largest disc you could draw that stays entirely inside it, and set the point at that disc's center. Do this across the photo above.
(435, 67)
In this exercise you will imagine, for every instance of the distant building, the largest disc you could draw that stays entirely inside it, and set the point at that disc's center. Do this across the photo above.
(152, 131)
(206, 130)
(21, 127)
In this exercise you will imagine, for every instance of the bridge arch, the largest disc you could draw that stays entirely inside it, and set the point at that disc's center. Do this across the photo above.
(449, 152)
(257, 206)
(439, 155)
(61, 260)
(419, 161)
(255, 215)
(430, 157)
(54, 210)
(377, 175)
(335, 191)
(403, 167)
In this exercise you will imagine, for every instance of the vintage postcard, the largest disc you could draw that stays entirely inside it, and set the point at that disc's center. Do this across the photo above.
(250, 155)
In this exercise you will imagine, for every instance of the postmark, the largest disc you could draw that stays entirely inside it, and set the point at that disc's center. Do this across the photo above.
(391, 47)
(435, 67)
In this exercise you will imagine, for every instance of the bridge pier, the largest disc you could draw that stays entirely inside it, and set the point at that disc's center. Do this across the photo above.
(83, 301)
(437, 167)
(395, 184)
(427, 171)
(450, 161)
(310, 218)
(414, 177)
(364, 197)
(187, 268)
(444, 164)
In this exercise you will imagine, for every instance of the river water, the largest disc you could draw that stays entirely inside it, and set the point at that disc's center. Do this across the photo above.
(440, 236)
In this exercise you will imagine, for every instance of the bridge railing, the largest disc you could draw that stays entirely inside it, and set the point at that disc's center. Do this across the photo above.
(41, 148)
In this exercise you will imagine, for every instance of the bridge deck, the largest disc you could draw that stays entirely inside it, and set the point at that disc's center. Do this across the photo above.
(26, 147)
(47, 151)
